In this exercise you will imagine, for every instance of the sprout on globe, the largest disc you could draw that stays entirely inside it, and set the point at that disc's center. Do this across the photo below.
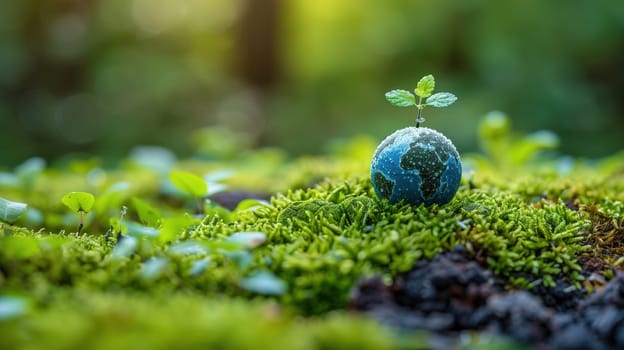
(417, 164)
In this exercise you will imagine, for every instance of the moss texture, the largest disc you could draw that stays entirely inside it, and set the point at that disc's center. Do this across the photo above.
(532, 225)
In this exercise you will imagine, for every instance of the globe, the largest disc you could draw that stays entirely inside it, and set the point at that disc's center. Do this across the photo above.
(416, 165)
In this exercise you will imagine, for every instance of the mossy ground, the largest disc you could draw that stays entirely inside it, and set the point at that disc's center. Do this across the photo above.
(533, 225)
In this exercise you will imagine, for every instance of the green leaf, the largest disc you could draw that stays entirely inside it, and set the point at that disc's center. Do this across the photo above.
(223, 246)
(79, 201)
(241, 258)
(125, 247)
(11, 211)
(401, 98)
(494, 126)
(213, 209)
(248, 240)
(33, 217)
(189, 183)
(441, 99)
(174, 226)
(199, 266)
(112, 198)
(148, 215)
(12, 307)
(247, 205)
(250, 204)
(139, 231)
(522, 150)
(425, 86)
(153, 267)
(189, 247)
(264, 283)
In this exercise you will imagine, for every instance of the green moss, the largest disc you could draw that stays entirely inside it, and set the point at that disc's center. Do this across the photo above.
(321, 240)
(80, 320)
(530, 227)
(346, 212)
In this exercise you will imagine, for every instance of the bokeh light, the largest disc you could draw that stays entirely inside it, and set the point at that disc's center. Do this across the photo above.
(105, 76)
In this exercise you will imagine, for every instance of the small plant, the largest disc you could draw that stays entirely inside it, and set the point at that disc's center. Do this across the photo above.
(424, 89)
(191, 184)
(417, 165)
(11, 211)
(507, 150)
(80, 202)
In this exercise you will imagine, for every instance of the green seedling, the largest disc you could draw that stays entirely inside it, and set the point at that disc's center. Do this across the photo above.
(116, 224)
(11, 211)
(80, 202)
(507, 150)
(424, 90)
(191, 184)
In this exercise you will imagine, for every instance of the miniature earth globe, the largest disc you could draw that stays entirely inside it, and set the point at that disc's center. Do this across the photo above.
(416, 165)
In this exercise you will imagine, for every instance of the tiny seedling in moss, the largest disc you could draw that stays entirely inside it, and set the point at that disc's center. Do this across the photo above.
(424, 89)
(80, 202)
(509, 151)
(191, 184)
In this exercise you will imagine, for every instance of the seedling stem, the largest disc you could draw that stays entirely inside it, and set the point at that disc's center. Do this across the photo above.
(420, 108)
(81, 221)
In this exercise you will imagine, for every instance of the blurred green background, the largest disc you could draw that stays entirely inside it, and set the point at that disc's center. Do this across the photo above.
(102, 76)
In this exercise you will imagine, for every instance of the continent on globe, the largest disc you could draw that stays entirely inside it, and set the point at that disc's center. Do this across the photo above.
(416, 165)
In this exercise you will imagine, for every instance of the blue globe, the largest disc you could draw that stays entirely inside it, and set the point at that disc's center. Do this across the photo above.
(416, 165)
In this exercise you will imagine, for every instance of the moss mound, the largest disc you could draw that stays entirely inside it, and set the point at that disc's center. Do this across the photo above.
(238, 277)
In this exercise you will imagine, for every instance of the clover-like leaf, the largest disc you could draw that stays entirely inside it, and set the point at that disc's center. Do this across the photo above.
(441, 99)
(189, 183)
(11, 211)
(401, 98)
(425, 86)
(79, 201)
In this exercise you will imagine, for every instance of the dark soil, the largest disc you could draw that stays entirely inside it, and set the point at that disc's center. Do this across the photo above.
(453, 293)
(230, 199)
